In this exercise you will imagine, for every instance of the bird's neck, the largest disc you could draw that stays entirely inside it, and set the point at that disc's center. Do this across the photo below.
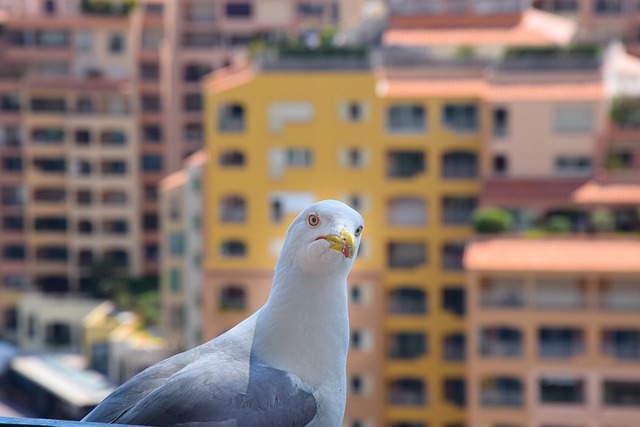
(304, 326)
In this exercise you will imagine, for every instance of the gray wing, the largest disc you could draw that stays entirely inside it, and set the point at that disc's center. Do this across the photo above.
(124, 397)
(196, 396)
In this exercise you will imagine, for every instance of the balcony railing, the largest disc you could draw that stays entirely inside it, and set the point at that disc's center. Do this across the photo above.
(501, 300)
(501, 349)
(560, 350)
(501, 398)
(406, 398)
(622, 351)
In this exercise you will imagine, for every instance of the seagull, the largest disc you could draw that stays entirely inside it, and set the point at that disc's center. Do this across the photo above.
(285, 365)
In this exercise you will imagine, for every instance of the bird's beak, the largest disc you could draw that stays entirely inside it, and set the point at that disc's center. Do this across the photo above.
(343, 243)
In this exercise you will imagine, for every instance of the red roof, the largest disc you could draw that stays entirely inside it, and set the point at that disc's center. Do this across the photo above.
(598, 193)
(554, 255)
(529, 192)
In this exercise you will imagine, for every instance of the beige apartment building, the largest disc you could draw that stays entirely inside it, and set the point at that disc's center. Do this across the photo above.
(553, 332)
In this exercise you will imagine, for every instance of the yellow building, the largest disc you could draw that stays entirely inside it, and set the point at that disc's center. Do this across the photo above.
(282, 133)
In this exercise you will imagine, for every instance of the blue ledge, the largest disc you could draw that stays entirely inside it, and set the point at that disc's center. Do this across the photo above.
(41, 422)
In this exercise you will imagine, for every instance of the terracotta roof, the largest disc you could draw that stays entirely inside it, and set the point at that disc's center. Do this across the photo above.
(230, 77)
(552, 255)
(594, 193)
(198, 158)
(529, 192)
(173, 180)
(536, 28)
(544, 91)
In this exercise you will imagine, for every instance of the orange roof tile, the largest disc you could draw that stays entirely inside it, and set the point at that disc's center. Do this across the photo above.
(536, 28)
(594, 193)
(551, 255)
(173, 180)
(197, 159)
(230, 77)
(544, 91)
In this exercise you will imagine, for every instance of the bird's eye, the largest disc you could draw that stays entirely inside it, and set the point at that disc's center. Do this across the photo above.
(313, 219)
(358, 231)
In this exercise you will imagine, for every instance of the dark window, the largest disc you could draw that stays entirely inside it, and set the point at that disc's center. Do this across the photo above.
(50, 224)
(408, 301)
(238, 10)
(193, 132)
(354, 112)
(407, 345)
(113, 137)
(455, 391)
(500, 164)
(52, 253)
(13, 223)
(58, 334)
(451, 256)
(50, 165)
(233, 298)
(50, 7)
(231, 118)
(150, 71)
(405, 164)
(12, 164)
(150, 222)
(150, 103)
(622, 393)
(117, 258)
(14, 252)
(406, 255)
(233, 248)
(151, 163)
(453, 300)
(454, 347)
(114, 167)
(232, 158)
(193, 102)
(310, 10)
(116, 43)
(500, 122)
(561, 390)
(152, 133)
(83, 137)
(458, 210)
(194, 72)
(461, 118)
(84, 197)
(85, 227)
(407, 392)
(459, 164)
(406, 118)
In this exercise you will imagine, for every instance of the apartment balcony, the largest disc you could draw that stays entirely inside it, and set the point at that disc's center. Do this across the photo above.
(499, 349)
(407, 301)
(622, 394)
(629, 352)
(620, 296)
(559, 350)
(562, 391)
(621, 344)
(454, 348)
(407, 392)
(501, 398)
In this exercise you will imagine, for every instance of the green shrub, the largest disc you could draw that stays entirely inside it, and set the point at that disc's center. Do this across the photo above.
(492, 220)
(558, 224)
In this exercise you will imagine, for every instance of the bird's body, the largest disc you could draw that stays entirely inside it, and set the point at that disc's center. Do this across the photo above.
(285, 365)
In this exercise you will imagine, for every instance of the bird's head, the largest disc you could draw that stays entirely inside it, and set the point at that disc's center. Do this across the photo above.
(325, 235)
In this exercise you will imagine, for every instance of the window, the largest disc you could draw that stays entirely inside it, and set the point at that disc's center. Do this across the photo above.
(406, 119)
(11, 196)
(52, 253)
(150, 71)
(84, 197)
(455, 391)
(113, 167)
(622, 344)
(500, 164)
(578, 119)
(48, 136)
(354, 111)
(231, 158)
(458, 210)
(115, 226)
(50, 7)
(150, 103)
(14, 252)
(461, 118)
(150, 222)
(560, 343)
(238, 10)
(622, 393)
(233, 297)
(193, 102)
(353, 157)
(407, 345)
(453, 347)
(356, 385)
(12, 164)
(151, 134)
(151, 163)
(50, 224)
(233, 249)
(407, 301)
(407, 392)
(405, 164)
(561, 390)
(84, 105)
(83, 136)
(574, 166)
(13, 223)
(500, 341)
(453, 300)
(504, 293)
(195, 72)
(310, 10)
(85, 227)
(231, 118)
(233, 209)
(116, 43)
(451, 256)
(356, 296)
(85, 258)
(610, 7)
(459, 164)
(193, 132)
(500, 122)
(113, 137)
(406, 255)
(50, 194)
(406, 211)
(175, 279)
(501, 391)
(299, 157)
(58, 334)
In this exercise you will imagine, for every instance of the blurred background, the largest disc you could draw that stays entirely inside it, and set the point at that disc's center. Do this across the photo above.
(153, 153)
